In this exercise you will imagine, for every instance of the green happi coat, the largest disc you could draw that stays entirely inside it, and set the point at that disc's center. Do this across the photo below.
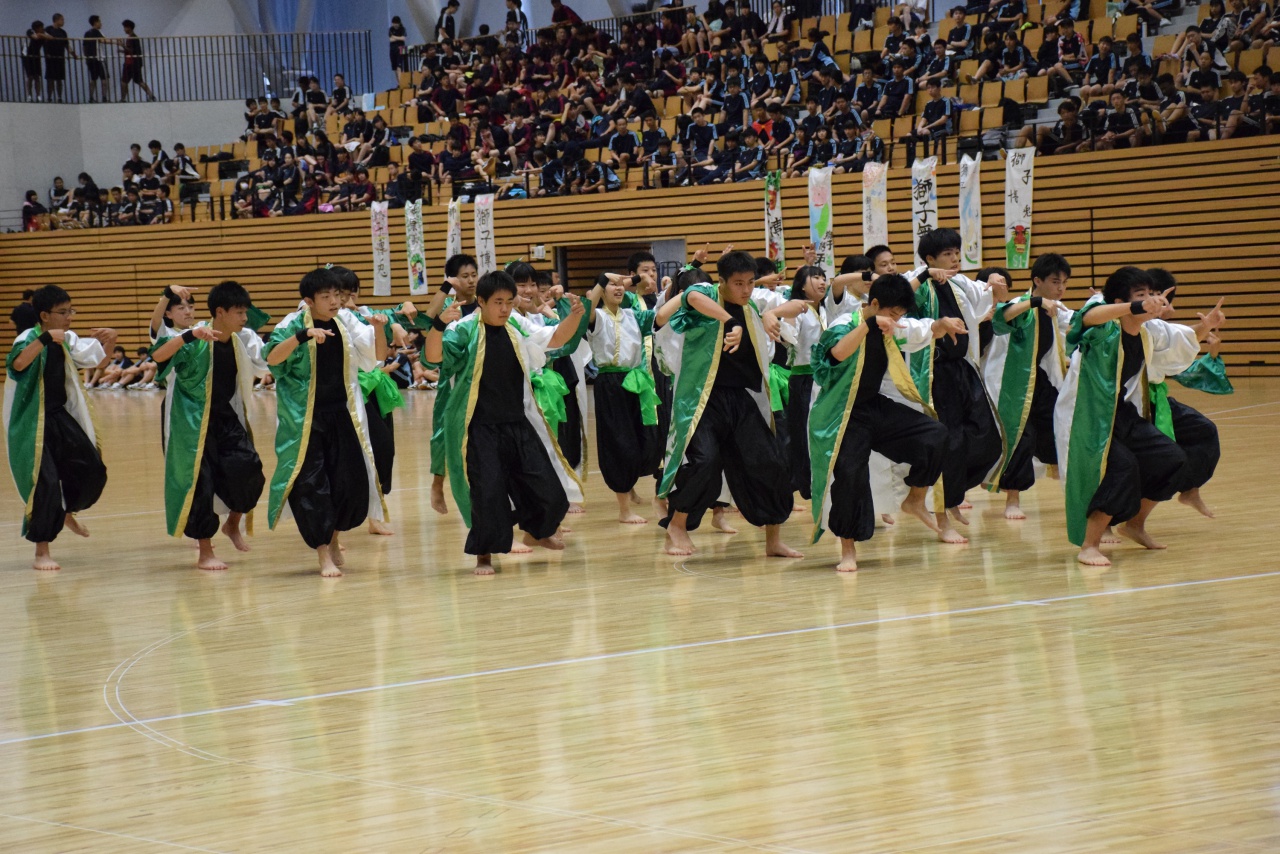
(186, 417)
(24, 406)
(1009, 370)
(1091, 393)
(701, 342)
(444, 388)
(463, 368)
(296, 397)
(837, 384)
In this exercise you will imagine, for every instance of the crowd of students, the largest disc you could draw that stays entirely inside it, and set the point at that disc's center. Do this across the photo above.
(874, 395)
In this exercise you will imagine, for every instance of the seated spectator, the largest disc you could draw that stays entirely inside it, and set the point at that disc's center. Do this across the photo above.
(622, 146)
(1009, 17)
(661, 166)
(375, 151)
(1073, 53)
(421, 165)
(35, 216)
(160, 211)
(111, 213)
(800, 154)
(1101, 72)
(309, 201)
(340, 98)
(356, 194)
(1147, 11)
(1141, 93)
(130, 212)
(1121, 128)
(108, 375)
(846, 154)
(934, 124)
(1067, 136)
(961, 39)
(398, 190)
(317, 104)
(140, 376)
(898, 94)
(598, 178)
(59, 196)
(940, 67)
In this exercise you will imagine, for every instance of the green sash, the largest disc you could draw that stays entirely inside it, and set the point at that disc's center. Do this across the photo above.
(779, 386)
(25, 428)
(1207, 374)
(550, 390)
(384, 390)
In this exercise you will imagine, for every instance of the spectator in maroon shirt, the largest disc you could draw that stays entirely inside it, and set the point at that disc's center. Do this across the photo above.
(562, 14)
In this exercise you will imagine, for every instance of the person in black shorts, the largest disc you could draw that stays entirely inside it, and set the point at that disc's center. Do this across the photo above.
(56, 47)
(36, 38)
(93, 38)
(131, 72)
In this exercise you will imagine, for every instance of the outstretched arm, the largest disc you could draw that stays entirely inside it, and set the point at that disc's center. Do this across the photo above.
(1152, 306)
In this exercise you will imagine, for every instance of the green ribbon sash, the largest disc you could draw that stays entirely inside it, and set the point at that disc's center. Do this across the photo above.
(384, 390)
(549, 390)
(639, 381)
(779, 386)
(1161, 415)
(1207, 374)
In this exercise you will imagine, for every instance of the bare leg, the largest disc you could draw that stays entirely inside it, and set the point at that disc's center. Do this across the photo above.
(1110, 537)
(625, 515)
(44, 562)
(1192, 499)
(888, 519)
(1090, 554)
(231, 528)
(635, 497)
(554, 543)
(73, 525)
(718, 522)
(773, 544)
(1012, 508)
(913, 505)
(678, 542)
(437, 495)
(848, 556)
(208, 561)
(1136, 528)
(484, 565)
(336, 551)
(946, 533)
(575, 507)
(954, 513)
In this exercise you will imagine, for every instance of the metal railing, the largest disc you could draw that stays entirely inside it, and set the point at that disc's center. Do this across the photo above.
(196, 68)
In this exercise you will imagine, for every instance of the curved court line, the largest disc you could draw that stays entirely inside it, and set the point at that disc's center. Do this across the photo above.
(70, 826)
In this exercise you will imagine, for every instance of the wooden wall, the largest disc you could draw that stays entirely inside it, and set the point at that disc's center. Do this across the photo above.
(1207, 212)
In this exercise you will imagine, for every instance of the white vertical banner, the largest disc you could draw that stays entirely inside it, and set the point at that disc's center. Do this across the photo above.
(774, 240)
(821, 231)
(970, 213)
(875, 206)
(413, 248)
(924, 199)
(381, 249)
(486, 257)
(1019, 180)
(453, 239)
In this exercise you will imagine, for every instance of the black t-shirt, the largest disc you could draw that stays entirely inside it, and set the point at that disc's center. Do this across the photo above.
(330, 380)
(741, 368)
(1045, 343)
(316, 97)
(56, 47)
(55, 377)
(340, 94)
(24, 316)
(89, 47)
(875, 361)
(500, 399)
(945, 350)
(1133, 357)
(224, 377)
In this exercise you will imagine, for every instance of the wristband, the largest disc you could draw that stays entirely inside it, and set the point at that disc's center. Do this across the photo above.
(45, 338)
(872, 325)
(302, 335)
(731, 324)
(866, 275)
(636, 280)
(169, 294)
(1036, 302)
(188, 336)
(1135, 307)
(438, 325)
(695, 264)
(446, 287)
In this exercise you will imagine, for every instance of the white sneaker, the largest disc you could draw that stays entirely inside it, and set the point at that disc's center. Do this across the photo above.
(116, 385)
(88, 385)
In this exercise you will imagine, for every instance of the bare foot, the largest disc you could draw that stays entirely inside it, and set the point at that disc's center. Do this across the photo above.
(888, 519)
(951, 536)
(965, 505)
(210, 563)
(1192, 499)
(1109, 538)
(45, 563)
(437, 496)
(337, 556)
(575, 507)
(328, 568)
(632, 519)
(1014, 513)
(798, 508)
(1139, 536)
(231, 528)
(520, 549)
(484, 565)
(1090, 556)
(564, 529)
(381, 529)
(718, 522)
(662, 503)
(73, 525)
(635, 497)
(914, 506)
(774, 546)
(678, 543)
(554, 543)
(955, 513)
(848, 564)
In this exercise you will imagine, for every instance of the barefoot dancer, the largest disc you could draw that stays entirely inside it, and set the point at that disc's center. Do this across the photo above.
(867, 401)
(324, 463)
(950, 379)
(210, 462)
(504, 465)
(1024, 369)
(1116, 463)
(53, 452)
(722, 426)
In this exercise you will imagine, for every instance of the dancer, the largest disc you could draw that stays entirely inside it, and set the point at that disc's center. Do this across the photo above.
(867, 401)
(504, 466)
(1023, 371)
(53, 453)
(1116, 463)
(210, 462)
(722, 426)
(950, 379)
(325, 471)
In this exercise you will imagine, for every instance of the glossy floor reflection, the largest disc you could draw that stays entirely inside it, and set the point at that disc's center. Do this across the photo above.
(988, 698)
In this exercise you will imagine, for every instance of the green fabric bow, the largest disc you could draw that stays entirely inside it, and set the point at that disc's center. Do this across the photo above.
(1161, 415)
(384, 390)
(549, 390)
(1207, 374)
(639, 381)
(257, 318)
(779, 386)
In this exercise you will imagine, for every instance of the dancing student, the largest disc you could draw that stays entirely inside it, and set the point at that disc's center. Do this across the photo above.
(457, 298)
(53, 452)
(505, 468)
(174, 314)
(1024, 369)
(811, 308)
(949, 376)
(645, 265)
(325, 472)
(867, 402)
(570, 361)
(210, 463)
(1116, 463)
(722, 426)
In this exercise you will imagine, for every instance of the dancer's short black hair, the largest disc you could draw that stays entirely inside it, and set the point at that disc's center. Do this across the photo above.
(318, 280)
(855, 264)
(876, 251)
(522, 271)
(348, 281)
(985, 274)
(1123, 282)
(638, 258)
(1161, 279)
(48, 298)
(228, 295)
(456, 262)
(734, 262)
(765, 267)
(495, 282)
(802, 277)
(893, 291)
(1048, 264)
(934, 243)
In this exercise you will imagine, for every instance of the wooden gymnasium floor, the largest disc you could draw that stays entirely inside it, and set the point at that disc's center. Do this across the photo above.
(992, 698)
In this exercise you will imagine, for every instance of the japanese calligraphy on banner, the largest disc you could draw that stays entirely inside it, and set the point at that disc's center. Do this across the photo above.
(381, 249)
(486, 258)
(453, 240)
(875, 206)
(821, 232)
(413, 247)
(775, 245)
(924, 199)
(970, 213)
(1019, 179)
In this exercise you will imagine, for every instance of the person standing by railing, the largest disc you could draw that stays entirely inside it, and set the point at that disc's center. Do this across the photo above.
(397, 37)
(31, 61)
(93, 62)
(562, 14)
(132, 70)
(446, 28)
(56, 47)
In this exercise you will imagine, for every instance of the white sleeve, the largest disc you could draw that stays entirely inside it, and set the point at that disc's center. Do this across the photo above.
(838, 310)
(85, 352)
(1173, 347)
(536, 342)
(913, 334)
(1064, 319)
(977, 293)
(362, 340)
(253, 349)
(919, 274)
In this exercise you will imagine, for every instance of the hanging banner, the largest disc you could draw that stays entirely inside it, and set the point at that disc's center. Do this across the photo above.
(821, 233)
(486, 258)
(875, 206)
(413, 247)
(924, 199)
(970, 213)
(774, 242)
(1019, 179)
(381, 249)
(453, 240)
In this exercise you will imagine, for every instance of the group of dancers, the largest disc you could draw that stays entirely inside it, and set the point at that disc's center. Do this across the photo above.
(870, 394)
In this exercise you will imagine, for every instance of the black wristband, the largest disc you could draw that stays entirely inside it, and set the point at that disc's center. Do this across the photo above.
(866, 275)
(302, 335)
(438, 325)
(169, 294)
(872, 325)
(188, 336)
(731, 324)
(45, 338)
(695, 264)
(1036, 302)
(636, 280)
(1135, 307)
(446, 287)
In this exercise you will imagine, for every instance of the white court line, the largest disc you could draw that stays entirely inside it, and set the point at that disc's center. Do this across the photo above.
(34, 820)
(267, 703)
(1242, 408)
